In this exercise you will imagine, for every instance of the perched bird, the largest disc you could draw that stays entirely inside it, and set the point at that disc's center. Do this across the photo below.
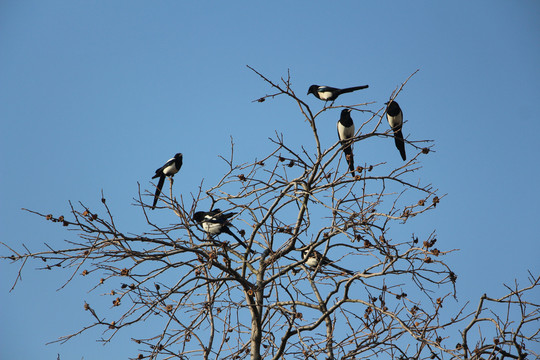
(215, 222)
(317, 259)
(327, 93)
(171, 167)
(345, 129)
(394, 115)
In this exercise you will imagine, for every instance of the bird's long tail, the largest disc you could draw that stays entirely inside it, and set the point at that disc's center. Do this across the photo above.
(342, 269)
(350, 158)
(158, 191)
(400, 144)
(354, 88)
(228, 231)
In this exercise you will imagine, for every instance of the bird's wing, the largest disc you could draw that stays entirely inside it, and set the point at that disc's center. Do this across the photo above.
(213, 218)
(169, 162)
(228, 215)
(159, 171)
(325, 88)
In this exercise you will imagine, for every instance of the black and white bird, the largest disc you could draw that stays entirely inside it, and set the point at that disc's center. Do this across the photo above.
(327, 93)
(394, 115)
(171, 167)
(345, 129)
(315, 259)
(215, 222)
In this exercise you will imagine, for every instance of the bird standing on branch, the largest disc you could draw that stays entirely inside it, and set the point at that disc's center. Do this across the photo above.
(215, 222)
(394, 115)
(171, 167)
(327, 93)
(345, 129)
(315, 259)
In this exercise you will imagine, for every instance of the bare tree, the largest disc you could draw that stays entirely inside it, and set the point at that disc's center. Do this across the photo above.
(324, 275)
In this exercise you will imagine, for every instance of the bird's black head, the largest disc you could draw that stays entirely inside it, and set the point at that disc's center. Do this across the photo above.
(199, 216)
(345, 119)
(178, 156)
(392, 108)
(313, 89)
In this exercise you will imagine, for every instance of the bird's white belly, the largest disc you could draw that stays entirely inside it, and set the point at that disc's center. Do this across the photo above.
(211, 228)
(311, 262)
(325, 95)
(170, 170)
(345, 132)
(395, 121)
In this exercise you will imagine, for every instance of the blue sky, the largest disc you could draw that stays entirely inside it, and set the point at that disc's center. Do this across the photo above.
(95, 95)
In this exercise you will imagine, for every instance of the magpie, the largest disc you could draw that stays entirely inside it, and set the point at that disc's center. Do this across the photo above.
(327, 93)
(317, 259)
(171, 167)
(394, 115)
(345, 129)
(215, 222)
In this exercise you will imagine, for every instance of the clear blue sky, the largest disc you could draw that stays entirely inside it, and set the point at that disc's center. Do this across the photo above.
(97, 94)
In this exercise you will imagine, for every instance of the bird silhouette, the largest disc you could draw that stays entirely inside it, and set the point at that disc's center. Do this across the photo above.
(345, 129)
(328, 93)
(215, 222)
(315, 259)
(171, 167)
(394, 115)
